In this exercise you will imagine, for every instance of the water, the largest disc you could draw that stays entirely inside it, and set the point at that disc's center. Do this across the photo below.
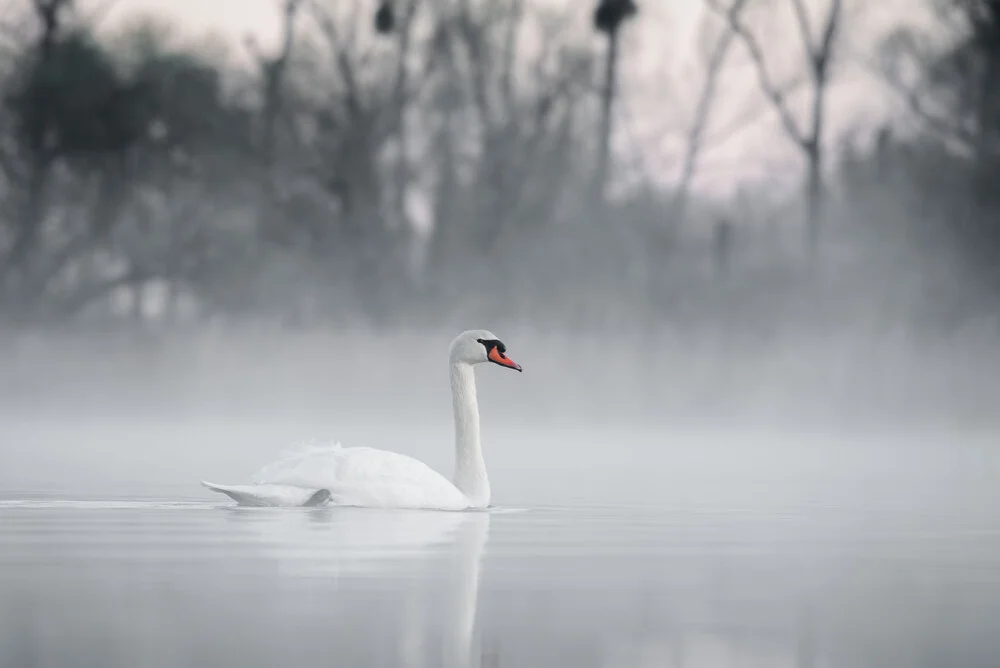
(847, 554)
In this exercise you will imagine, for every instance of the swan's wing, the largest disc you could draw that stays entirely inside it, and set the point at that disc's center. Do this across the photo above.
(365, 477)
(271, 495)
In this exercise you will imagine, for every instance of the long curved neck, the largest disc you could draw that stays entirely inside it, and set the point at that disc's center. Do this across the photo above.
(470, 469)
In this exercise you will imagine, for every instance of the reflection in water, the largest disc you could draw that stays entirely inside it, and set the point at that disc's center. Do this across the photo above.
(337, 543)
(162, 585)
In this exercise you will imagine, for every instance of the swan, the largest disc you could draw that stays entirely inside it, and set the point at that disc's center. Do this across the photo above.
(367, 477)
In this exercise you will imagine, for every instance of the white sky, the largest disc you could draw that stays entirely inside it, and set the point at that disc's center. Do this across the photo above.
(662, 75)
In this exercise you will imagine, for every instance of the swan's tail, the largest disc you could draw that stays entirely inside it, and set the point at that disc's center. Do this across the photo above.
(272, 495)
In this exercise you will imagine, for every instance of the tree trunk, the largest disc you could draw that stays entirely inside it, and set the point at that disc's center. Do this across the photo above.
(815, 209)
(607, 110)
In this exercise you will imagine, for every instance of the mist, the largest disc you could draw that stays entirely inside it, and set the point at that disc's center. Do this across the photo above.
(778, 389)
(142, 413)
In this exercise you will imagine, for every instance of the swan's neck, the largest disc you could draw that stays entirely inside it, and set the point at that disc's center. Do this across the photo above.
(470, 469)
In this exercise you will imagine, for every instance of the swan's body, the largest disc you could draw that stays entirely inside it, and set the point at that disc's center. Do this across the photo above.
(382, 479)
(352, 477)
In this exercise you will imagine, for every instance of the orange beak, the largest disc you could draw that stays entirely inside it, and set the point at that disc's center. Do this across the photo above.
(498, 357)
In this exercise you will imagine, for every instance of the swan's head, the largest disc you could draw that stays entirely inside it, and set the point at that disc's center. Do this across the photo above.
(478, 346)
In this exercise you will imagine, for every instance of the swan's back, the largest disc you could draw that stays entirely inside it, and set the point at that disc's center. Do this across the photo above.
(363, 476)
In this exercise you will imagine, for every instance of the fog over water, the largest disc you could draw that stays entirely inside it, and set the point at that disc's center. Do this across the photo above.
(125, 412)
(658, 502)
(751, 430)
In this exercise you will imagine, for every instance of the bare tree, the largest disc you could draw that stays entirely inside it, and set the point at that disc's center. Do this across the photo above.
(819, 53)
(949, 77)
(609, 16)
(274, 76)
(273, 73)
(522, 118)
(949, 80)
(33, 181)
(702, 115)
(405, 29)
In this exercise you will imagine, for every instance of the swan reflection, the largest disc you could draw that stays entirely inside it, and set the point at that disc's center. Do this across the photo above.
(429, 563)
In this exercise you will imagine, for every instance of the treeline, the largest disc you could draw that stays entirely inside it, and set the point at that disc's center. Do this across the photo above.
(415, 161)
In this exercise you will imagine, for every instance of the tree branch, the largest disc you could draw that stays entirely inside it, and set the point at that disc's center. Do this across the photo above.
(821, 51)
(510, 52)
(940, 125)
(702, 114)
(805, 30)
(342, 56)
(400, 104)
(474, 38)
(821, 56)
(767, 85)
(832, 23)
(748, 116)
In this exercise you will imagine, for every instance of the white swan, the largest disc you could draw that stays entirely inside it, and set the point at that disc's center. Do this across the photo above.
(381, 479)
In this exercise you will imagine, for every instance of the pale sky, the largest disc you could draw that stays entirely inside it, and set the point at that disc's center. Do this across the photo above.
(662, 75)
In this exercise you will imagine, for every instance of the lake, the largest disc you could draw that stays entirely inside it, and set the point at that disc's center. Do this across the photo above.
(720, 550)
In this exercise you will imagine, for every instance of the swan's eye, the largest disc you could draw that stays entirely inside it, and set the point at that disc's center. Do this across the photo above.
(490, 344)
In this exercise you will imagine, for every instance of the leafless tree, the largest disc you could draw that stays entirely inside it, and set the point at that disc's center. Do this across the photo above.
(520, 117)
(720, 50)
(925, 71)
(33, 180)
(609, 16)
(819, 52)
(273, 73)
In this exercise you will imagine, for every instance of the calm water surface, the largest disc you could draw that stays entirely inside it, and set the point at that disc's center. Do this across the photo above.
(852, 565)
(106, 583)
